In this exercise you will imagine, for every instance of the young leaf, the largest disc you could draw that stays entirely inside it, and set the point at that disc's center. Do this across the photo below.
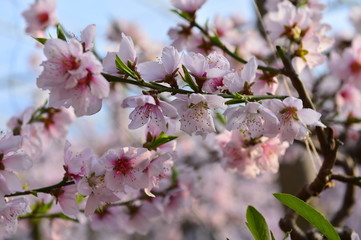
(41, 40)
(257, 224)
(188, 79)
(60, 32)
(159, 141)
(308, 213)
(124, 68)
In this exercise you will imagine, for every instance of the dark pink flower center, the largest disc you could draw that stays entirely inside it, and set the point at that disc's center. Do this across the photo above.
(87, 79)
(355, 67)
(123, 166)
(43, 17)
(71, 63)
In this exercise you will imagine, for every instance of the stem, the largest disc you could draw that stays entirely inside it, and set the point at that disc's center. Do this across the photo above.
(51, 216)
(235, 98)
(216, 42)
(349, 196)
(48, 189)
(347, 179)
(328, 144)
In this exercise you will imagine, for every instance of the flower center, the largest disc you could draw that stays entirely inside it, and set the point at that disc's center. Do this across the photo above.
(289, 112)
(355, 67)
(43, 17)
(123, 166)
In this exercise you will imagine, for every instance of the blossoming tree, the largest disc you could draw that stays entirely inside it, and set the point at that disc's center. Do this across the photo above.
(219, 112)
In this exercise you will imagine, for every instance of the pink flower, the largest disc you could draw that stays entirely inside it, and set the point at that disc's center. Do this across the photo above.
(39, 16)
(293, 118)
(74, 164)
(194, 112)
(165, 70)
(9, 183)
(189, 6)
(87, 37)
(126, 53)
(73, 77)
(236, 157)
(180, 36)
(149, 109)
(11, 156)
(67, 200)
(93, 185)
(350, 70)
(125, 168)
(9, 215)
(268, 153)
(159, 167)
(234, 82)
(348, 101)
(207, 71)
(253, 119)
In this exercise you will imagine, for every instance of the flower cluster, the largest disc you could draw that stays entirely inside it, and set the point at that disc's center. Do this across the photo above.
(209, 105)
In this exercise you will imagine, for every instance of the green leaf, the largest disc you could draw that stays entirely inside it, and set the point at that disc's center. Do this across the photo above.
(184, 15)
(124, 68)
(309, 213)
(272, 236)
(257, 224)
(60, 32)
(188, 79)
(158, 141)
(41, 40)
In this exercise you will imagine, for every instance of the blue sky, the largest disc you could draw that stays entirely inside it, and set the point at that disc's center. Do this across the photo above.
(17, 81)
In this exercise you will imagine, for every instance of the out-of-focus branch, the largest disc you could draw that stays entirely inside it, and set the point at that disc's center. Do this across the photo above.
(328, 145)
(349, 196)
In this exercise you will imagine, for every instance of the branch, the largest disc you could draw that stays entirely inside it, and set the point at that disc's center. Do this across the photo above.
(236, 98)
(328, 144)
(216, 42)
(347, 179)
(48, 189)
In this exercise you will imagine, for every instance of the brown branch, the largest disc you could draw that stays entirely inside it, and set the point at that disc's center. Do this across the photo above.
(349, 196)
(328, 145)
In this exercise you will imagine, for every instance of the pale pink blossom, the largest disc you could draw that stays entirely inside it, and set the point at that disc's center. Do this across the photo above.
(159, 167)
(9, 183)
(207, 71)
(149, 109)
(74, 164)
(12, 158)
(350, 69)
(348, 101)
(9, 215)
(87, 37)
(253, 119)
(189, 6)
(40, 16)
(310, 54)
(126, 53)
(165, 70)
(66, 196)
(93, 185)
(236, 157)
(73, 77)
(125, 168)
(194, 112)
(293, 118)
(268, 153)
(180, 36)
(242, 82)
